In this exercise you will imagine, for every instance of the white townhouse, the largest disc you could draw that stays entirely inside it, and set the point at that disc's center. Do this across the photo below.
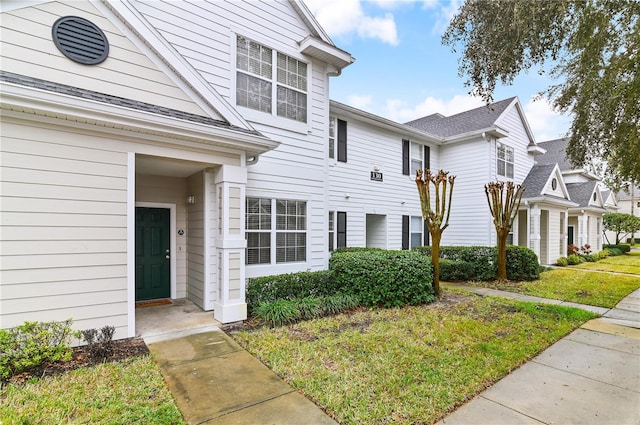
(626, 201)
(137, 138)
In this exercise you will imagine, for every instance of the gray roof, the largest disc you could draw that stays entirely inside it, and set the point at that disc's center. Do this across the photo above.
(464, 122)
(626, 194)
(581, 193)
(556, 153)
(50, 86)
(536, 180)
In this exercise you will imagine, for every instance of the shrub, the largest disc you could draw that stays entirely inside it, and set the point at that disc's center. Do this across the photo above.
(590, 258)
(284, 312)
(573, 249)
(380, 278)
(99, 342)
(614, 251)
(522, 263)
(278, 312)
(622, 248)
(586, 249)
(562, 262)
(574, 259)
(33, 343)
(456, 271)
(289, 286)
(603, 254)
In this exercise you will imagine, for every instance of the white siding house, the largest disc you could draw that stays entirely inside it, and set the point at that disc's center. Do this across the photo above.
(127, 171)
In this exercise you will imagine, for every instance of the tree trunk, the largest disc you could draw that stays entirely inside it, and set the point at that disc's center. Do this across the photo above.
(435, 260)
(502, 255)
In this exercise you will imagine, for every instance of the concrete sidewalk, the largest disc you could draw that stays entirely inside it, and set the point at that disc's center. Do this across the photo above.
(592, 376)
(215, 381)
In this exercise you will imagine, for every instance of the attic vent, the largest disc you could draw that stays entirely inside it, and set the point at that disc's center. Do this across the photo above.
(80, 40)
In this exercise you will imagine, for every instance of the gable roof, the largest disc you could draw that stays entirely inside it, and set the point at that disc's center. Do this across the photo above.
(474, 120)
(581, 193)
(625, 194)
(556, 153)
(536, 180)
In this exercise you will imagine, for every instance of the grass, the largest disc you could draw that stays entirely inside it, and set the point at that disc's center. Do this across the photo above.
(130, 391)
(413, 364)
(583, 287)
(628, 263)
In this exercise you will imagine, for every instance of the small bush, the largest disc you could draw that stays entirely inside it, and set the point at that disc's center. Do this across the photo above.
(278, 312)
(585, 249)
(574, 259)
(614, 252)
(456, 271)
(309, 308)
(33, 343)
(380, 278)
(573, 249)
(603, 254)
(590, 258)
(288, 287)
(99, 342)
(622, 248)
(562, 262)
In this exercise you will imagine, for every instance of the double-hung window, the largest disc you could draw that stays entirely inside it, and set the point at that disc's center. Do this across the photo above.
(337, 139)
(414, 232)
(415, 157)
(270, 81)
(276, 230)
(505, 160)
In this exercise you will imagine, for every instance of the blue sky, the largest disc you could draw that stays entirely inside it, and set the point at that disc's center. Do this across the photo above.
(403, 72)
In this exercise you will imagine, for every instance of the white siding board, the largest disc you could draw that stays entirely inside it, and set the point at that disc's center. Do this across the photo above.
(10, 277)
(44, 289)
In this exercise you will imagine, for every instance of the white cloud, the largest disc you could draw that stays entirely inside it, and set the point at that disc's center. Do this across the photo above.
(444, 12)
(546, 124)
(401, 111)
(360, 101)
(345, 17)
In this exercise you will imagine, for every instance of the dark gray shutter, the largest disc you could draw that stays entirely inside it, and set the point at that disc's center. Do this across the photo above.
(405, 232)
(405, 157)
(427, 157)
(425, 235)
(342, 229)
(342, 141)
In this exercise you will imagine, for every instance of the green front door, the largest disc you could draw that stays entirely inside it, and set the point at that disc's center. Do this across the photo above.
(152, 254)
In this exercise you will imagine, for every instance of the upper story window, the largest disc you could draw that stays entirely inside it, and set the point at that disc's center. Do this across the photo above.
(415, 157)
(505, 160)
(268, 81)
(337, 139)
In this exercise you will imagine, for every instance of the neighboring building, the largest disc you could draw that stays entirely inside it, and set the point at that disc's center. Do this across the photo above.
(626, 201)
(131, 133)
(584, 225)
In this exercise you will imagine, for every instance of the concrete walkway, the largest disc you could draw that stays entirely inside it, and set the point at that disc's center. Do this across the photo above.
(592, 376)
(215, 381)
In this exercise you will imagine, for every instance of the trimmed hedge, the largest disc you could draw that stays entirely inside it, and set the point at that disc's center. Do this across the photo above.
(481, 262)
(622, 248)
(381, 278)
(288, 287)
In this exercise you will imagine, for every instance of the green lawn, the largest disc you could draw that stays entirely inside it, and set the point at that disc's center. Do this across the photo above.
(574, 285)
(409, 365)
(130, 391)
(628, 263)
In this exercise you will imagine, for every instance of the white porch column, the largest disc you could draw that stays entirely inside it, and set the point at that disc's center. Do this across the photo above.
(582, 229)
(230, 182)
(534, 228)
(598, 248)
(565, 234)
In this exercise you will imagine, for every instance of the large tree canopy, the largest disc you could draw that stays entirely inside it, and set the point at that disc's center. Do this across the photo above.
(590, 47)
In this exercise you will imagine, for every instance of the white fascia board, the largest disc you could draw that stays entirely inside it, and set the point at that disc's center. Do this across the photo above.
(325, 52)
(16, 97)
(358, 114)
(127, 13)
(493, 131)
(548, 200)
(312, 23)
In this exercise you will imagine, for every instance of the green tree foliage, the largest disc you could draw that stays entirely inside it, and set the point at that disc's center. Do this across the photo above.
(621, 224)
(590, 47)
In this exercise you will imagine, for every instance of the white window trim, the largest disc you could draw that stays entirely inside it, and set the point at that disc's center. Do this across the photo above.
(411, 232)
(498, 144)
(272, 119)
(332, 161)
(255, 270)
(332, 238)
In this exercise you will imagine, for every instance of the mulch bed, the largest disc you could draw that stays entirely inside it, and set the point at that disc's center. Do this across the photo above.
(121, 349)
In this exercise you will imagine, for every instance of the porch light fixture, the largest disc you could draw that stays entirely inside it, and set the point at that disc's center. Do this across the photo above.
(191, 199)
